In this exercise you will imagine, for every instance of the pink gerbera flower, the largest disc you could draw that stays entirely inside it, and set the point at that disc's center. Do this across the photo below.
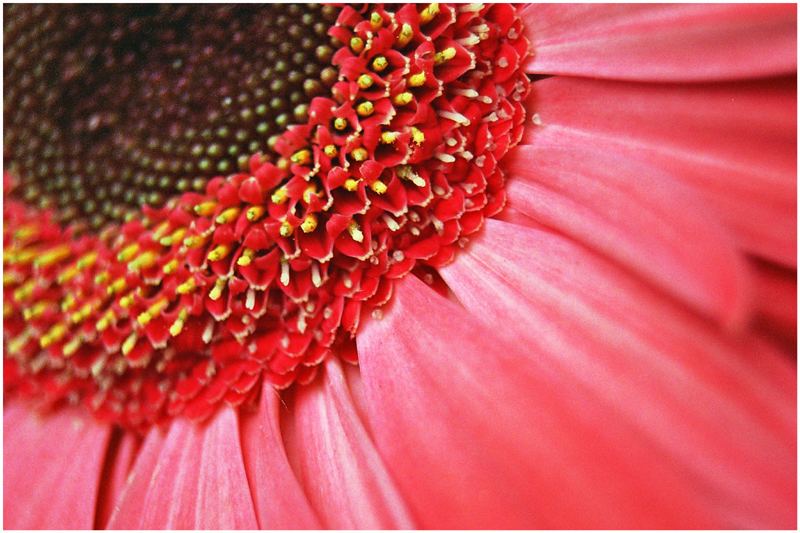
(398, 266)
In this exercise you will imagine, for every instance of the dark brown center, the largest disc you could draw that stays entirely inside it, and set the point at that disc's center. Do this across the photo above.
(108, 108)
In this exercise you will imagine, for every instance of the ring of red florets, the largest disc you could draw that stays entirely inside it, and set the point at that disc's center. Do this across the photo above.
(269, 272)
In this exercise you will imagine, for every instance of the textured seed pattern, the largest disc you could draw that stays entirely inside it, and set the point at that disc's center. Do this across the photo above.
(108, 108)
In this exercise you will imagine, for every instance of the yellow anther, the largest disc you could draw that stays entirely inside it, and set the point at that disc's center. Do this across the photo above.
(360, 154)
(23, 257)
(152, 312)
(375, 20)
(229, 215)
(69, 273)
(219, 252)
(101, 278)
(128, 253)
(25, 233)
(36, 311)
(254, 213)
(388, 137)
(378, 186)
(417, 80)
(105, 320)
(25, 292)
(427, 14)
(68, 303)
(309, 223)
(129, 344)
(340, 123)
(86, 260)
(309, 193)
(117, 286)
(445, 55)
(82, 313)
(18, 343)
(195, 241)
(53, 335)
(177, 236)
(177, 326)
(10, 277)
(280, 195)
(406, 173)
(205, 209)
(330, 150)
(365, 81)
(216, 291)
(286, 228)
(417, 135)
(127, 300)
(186, 287)
(403, 98)
(302, 157)
(52, 256)
(405, 35)
(170, 267)
(356, 44)
(246, 258)
(72, 346)
(143, 261)
(355, 231)
(160, 230)
(379, 64)
(351, 184)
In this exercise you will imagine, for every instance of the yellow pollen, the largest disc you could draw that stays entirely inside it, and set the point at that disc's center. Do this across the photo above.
(36, 311)
(195, 241)
(379, 64)
(68, 303)
(340, 123)
(365, 109)
(161, 230)
(105, 320)
(351, 184)
(388, 137)
(229, 215)
(52, 256)
(129, 344)
(255, 213)
(53, 335)
(406, 33)
(10, 278)
(177, 326)
(117, 286)
(330, 150)
(170, 267)
(72, 346)
(216, 291)
(152, 312)
(378, 186)
(286, 228)
(427, 14)
(177, 236)
(25, 292)
(221, 251)
(25, 233)
(280, 195)
(144, 261)
(101, 278)
(309, 193)
(246, 258)
(355, 231)
(417, 80)
(445, 55)
(309, 223)
(365, 81)
(127, 300)
(403, 98)
(417, 135)
(82, 313)
(376, 21)
(302, 157)
(205, 209)
(68, 274)
(360, 154)
(128, 253)
(86, 260)
(186, 287)
(356, 44)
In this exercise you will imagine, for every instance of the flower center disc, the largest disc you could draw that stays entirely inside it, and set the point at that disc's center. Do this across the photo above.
(265, 270)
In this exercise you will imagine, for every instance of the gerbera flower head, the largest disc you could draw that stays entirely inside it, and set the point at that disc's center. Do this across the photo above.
(293, 254)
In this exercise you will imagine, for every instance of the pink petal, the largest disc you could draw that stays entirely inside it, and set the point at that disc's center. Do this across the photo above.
(662, 42)
(776, 301)
(51, 468)
(278, 497)
(118, 463)
(723, 412)
(343, 475)
(635, 214)
(734, 143)
(193, 478)
(477, 438)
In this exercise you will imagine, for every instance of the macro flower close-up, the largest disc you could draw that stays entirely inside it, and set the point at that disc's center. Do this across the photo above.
(400, 266)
